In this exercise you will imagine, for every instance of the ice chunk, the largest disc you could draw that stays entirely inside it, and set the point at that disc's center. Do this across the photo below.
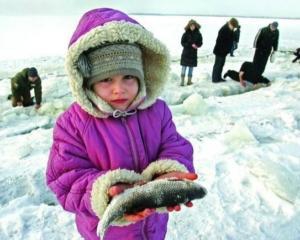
(195, 105)
(238, 136)
(55, 107)
(277, 178)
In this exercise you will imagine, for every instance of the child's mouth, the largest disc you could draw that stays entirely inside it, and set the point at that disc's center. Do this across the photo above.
(119, 101)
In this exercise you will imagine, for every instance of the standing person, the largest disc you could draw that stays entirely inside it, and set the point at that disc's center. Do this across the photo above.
(223, 46)
(118, 132)
(22, 83)
(191, 40)
(265, 41)
(236, 39)
(247, 73)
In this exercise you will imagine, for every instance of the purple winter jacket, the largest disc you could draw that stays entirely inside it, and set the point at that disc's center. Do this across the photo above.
(86, 147)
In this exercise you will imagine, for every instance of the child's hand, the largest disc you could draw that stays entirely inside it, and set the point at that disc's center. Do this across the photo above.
(121, 187)
(178, 176)
(139, 215)
(118, 188)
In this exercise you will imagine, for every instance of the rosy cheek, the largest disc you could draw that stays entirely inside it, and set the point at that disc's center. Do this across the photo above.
(132, 83)
(104, 84)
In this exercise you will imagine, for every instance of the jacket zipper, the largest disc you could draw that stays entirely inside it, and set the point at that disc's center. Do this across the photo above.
(142, 137)
(143, 229)
(137, 165)
(132, 144)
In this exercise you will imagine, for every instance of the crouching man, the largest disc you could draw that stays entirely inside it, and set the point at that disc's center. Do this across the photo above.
(22, 83)
(247, 73)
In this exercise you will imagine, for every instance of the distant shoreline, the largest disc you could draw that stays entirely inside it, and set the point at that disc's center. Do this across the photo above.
(161, 14)
(205, 15)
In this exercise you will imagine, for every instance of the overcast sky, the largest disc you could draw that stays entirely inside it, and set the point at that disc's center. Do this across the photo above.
(258, 8)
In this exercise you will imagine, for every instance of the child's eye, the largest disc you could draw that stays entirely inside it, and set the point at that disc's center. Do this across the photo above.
(106, 80)
(129, 77)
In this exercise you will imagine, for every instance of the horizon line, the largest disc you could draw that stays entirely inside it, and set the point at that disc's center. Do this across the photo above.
(207, 15)
(159, 14)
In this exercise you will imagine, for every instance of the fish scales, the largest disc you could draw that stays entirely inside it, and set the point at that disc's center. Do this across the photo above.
(155, 194)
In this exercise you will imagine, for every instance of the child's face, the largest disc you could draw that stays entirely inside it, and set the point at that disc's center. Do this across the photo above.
(119, 91)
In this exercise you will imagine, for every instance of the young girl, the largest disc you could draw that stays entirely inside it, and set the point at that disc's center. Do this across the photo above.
(191, 40)
(117, 133)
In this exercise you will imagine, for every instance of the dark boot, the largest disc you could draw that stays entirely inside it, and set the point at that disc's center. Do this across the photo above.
(220, 81)
(225, 75)
(189, 82)
(182, 80)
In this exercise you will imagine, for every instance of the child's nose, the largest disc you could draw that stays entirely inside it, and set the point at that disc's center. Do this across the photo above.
(118, 88)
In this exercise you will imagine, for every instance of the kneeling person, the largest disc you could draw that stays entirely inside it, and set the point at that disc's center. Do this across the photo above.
(297, 54)
(247, 73)
(22, 83)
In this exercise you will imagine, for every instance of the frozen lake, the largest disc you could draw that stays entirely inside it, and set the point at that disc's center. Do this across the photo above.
(246, 143)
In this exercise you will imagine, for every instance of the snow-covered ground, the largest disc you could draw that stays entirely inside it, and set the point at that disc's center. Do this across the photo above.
(246, 143)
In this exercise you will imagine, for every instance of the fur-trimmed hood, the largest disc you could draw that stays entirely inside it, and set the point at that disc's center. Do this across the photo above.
(103, 25)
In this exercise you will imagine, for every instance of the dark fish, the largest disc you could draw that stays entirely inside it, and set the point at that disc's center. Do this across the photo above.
(155, 194)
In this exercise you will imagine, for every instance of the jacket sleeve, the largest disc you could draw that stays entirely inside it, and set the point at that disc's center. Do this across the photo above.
(199, 40)
(78, 184)
(70, 174)
(238, 34)
(185, 40)
(275, 43)
(16, 88)
(38, 91)
(176, 152)
(257, 39)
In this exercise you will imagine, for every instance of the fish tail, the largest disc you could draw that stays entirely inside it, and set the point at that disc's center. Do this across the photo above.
(100, 231)
(109, 216)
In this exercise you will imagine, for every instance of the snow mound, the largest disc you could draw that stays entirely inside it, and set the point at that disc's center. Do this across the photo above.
(55, 108)
(278, 178)
(239, 136)
(19, 120)
(194, 105)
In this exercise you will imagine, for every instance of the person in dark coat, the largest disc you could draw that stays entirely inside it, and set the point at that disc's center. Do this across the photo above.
(247, 73)
(22, 83)
(191, 40)
(236, 39)
(297, 54)
(266, 43)
(223, 46)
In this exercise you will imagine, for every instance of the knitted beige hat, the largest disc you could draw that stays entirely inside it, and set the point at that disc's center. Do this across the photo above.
(108, 60)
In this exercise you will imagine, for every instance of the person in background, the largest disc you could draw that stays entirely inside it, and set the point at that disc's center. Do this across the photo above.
(222, 47)
(191, 40)
(297, 54)
(117, 133)
(265, 44)
(21, 84)
(236, 39)
(247, 73)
